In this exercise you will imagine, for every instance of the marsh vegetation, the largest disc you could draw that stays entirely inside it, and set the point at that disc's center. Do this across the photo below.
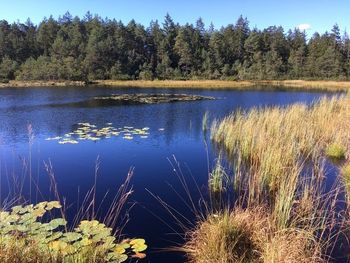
(171, 128)
(285, 209)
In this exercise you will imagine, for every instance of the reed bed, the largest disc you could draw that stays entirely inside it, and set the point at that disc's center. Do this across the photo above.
(278, 142)
(317, 85)
(283, 211)
(230, 84)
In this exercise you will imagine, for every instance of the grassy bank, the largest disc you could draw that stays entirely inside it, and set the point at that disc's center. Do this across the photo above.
(237, 85)
(204, 84)
(283, 211)
(41, 83)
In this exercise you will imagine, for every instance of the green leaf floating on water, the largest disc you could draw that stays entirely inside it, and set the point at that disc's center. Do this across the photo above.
(116, 258)
(138, 245)
(71, 237)
(87, 131)
(21, 224)
(55, 223)
(53, 204)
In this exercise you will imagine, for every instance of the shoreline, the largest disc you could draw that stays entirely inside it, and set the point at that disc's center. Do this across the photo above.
(203, 84)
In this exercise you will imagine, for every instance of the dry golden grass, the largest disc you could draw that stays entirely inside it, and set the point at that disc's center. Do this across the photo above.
(226, 84)
(269, 144)
(204, 84)
(278, 157)
(310, 84)
(19, 252)
(210, 84)
(249, 235)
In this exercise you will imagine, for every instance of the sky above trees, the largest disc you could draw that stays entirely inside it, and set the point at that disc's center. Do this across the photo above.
(311, 15)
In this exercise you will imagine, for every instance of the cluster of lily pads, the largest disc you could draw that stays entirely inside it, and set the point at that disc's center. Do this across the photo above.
(89, 239)
(87, 131)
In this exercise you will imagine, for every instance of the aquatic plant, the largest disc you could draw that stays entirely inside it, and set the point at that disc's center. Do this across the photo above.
(235, 85)
(87, 131)
(91, 241)
(218, 178)
(205, 121)
(267, 145)
(281, 212)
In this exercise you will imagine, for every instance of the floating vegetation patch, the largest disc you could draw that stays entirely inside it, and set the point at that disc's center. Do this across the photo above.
(87, 131)
(132, 99)
(22, 227)
(144, 98)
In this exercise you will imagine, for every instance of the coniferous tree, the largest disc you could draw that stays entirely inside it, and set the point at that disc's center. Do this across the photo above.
(94, 48)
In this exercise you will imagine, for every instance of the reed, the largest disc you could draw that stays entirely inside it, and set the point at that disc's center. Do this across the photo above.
(316, 85)
(227, 84)
(218, 178)
(282, 212)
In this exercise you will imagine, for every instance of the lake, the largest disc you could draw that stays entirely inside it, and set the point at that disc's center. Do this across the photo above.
(174, 130)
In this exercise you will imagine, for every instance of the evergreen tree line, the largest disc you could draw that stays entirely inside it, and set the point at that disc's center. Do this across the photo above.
(92, 48)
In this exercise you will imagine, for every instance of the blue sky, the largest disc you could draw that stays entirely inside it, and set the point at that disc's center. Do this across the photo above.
(316, 15)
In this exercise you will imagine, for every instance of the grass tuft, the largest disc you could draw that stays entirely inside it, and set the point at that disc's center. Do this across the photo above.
(248, 235)
(335, 151)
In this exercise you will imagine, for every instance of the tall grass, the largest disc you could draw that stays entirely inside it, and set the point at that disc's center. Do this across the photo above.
(207, 84)
(226, 84)
(283, 211)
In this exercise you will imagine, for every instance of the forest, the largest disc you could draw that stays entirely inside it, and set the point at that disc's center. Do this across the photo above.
(93, 48)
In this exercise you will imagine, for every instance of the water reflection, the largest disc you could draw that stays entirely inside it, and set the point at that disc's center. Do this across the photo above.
(74, 165)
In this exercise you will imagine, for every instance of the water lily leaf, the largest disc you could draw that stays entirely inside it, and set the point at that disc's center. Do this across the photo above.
(101, 236)
(125, 245)
(57, 245)
(27, 218)
(21, 228)
(119, 249)
(138, 245)
(3, 216)
(53, 237)
(87, 226)
(12, 218)
(53, 204)
(71, 237)
(116, 258)
(39, 212)
(55, 223)
(137, 241)
(139, 248)
(22, 210)
(85, 242)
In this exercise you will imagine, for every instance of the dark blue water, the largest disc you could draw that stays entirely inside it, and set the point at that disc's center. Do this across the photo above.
(54, 112)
